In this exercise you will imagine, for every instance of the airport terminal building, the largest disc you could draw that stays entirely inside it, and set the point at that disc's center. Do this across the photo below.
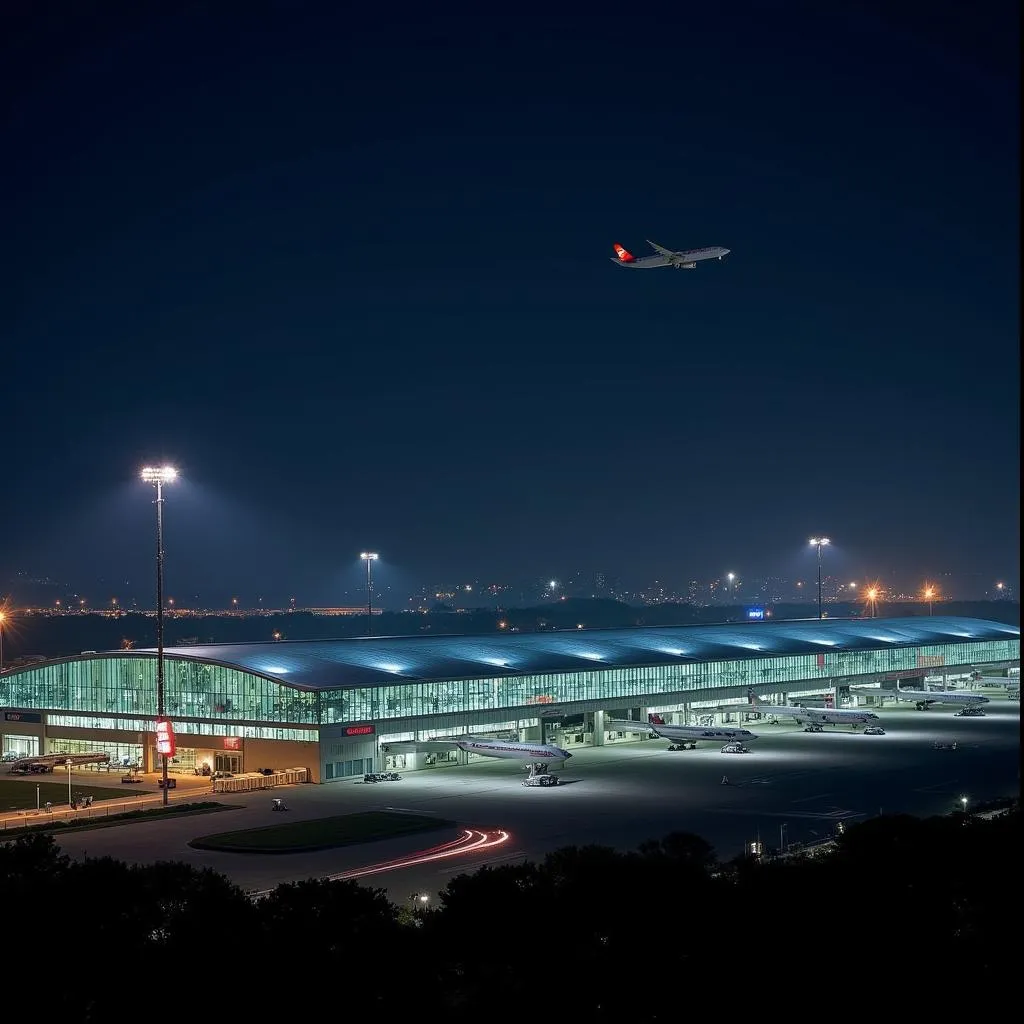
(334, 706)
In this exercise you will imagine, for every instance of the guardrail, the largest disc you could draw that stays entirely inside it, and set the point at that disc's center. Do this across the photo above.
(257, 780)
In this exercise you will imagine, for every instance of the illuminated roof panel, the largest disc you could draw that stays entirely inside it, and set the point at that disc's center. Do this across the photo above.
(374, 661)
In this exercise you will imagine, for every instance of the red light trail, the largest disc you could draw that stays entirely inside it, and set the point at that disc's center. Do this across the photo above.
(472, 840)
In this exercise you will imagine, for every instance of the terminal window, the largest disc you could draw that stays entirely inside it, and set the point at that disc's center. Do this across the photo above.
(342, 769)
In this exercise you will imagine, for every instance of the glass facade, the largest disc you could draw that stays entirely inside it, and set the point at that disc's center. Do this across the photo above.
(122, 755)
(627, 685)
(119, 691)
(344, 769)
(255, 732)
(126, 685)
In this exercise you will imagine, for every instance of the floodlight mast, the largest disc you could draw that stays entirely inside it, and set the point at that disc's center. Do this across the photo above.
(158, 476)
(819, 543)
(369, 557)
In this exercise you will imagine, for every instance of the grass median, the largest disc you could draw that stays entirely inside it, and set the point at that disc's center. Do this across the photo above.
(322, 833)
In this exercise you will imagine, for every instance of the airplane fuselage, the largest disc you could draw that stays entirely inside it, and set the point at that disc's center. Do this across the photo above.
(682, 733)
(686, 259)
(696, 732)
(819, 716)
(937, 697)
(512, 750)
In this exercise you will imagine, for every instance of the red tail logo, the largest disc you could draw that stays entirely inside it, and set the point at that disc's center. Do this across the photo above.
(624, 254)
(655, 719)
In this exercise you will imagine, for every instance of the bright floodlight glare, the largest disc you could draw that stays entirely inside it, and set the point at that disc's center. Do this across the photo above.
(369, 556)
(159, 474)
(815, 541)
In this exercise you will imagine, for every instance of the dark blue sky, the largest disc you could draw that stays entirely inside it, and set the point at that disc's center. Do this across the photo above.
(351, 274)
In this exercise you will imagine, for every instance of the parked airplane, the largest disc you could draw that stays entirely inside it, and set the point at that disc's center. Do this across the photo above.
(924, 699)
(48, 762)
(683, 259)
(534, 753)
(816, 716)
(682, 737)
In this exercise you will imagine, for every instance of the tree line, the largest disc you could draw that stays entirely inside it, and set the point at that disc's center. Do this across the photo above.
(588, 933)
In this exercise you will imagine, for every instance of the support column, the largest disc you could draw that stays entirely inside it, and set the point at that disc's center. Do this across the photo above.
(598, 728)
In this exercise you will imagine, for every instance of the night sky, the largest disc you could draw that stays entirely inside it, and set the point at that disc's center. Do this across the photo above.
(350, 272)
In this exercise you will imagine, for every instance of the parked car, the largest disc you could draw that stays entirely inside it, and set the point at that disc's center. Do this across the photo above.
(874, 730)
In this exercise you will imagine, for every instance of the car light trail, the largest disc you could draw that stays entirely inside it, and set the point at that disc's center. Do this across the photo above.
(471, 841)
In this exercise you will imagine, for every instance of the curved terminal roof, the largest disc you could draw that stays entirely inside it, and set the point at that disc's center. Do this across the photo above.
(374, 661)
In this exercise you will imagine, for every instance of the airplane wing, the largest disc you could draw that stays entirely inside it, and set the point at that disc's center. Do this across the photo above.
(660, 248)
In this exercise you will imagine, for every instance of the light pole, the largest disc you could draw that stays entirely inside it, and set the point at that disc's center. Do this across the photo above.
(68, 763)
(963, 804)
(369, 557)
(872, 599)
(929, 596)
(3, 619)
(158, 476)
(731, 577)
(819, 543)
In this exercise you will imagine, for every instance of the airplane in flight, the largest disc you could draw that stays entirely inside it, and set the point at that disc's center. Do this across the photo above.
(682, 737)
(683, 259)
(924, 699)
(815, 717)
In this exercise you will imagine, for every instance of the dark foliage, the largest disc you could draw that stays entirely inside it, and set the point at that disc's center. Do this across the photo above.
(598, 934)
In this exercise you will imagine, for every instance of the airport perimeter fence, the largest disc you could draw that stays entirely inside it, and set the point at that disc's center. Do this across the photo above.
(63, 813)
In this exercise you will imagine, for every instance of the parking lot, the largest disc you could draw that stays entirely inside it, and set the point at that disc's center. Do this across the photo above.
(793, 787)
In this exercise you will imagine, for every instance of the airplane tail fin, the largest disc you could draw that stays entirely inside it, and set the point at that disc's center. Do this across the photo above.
(624, 254)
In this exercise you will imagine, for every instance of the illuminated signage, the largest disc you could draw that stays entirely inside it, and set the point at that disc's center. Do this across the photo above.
(755, 614)
(165, 738)
(541, 698)
(357, 730)
(232, 742)
(22, 716)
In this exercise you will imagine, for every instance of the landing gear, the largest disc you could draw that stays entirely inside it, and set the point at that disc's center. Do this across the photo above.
(683, 746)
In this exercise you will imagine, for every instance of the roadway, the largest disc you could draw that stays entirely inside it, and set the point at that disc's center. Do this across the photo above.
(793, 787)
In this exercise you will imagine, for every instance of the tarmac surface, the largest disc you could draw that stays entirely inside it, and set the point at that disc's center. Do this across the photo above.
(793, 787)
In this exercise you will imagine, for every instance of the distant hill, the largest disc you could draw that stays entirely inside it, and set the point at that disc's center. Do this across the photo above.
(55, 636)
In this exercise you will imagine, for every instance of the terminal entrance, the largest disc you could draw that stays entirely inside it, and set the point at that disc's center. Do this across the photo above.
(20, 746)
(227, 762)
